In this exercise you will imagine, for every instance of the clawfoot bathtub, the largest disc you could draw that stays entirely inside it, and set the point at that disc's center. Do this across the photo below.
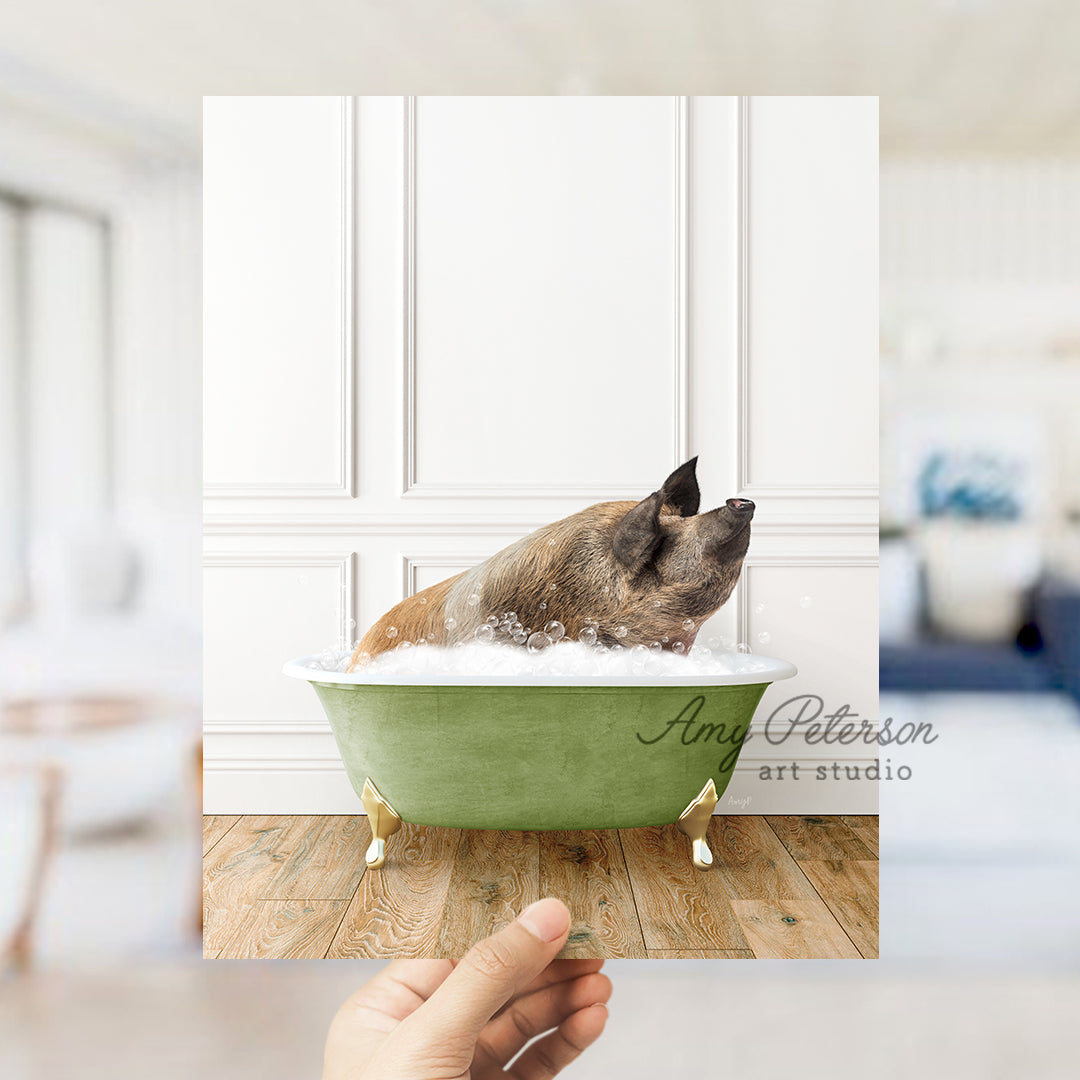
(541, 752)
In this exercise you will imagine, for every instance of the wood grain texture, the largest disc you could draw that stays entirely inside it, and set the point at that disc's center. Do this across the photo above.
(285, 930)
(272, 883)
(679, 907)
(818, 838)
(753, 864)
(701, 954)
(792, 931)
(586, 870)
(214, 827)
(865, 827)
(850, 889)
(396, 910)
(326, 862)
(496, 876)
(237, 869)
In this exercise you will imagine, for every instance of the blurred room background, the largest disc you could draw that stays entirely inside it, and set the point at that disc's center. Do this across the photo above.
(99, 531)
(99, 539)
(980, 546)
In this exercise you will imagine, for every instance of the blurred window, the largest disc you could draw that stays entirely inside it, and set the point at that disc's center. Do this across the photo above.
(55, 381)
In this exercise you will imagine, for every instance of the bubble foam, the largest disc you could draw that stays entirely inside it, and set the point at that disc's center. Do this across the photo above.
(566, 658)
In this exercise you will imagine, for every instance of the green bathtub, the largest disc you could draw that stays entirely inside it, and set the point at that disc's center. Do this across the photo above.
(503, 752)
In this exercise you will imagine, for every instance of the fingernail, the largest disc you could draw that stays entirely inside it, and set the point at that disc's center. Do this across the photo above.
(547, 919)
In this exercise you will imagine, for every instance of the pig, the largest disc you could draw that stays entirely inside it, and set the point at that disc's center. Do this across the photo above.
(631, 573)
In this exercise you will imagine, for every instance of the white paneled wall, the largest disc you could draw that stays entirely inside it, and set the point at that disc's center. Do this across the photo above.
(433, 325)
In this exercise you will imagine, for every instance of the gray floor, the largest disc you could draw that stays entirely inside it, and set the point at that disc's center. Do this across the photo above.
(980, 850)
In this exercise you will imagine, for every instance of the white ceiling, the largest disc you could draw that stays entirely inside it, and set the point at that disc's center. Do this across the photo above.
(954, 76)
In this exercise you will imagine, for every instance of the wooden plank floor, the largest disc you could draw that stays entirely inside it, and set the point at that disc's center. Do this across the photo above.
(781, 888)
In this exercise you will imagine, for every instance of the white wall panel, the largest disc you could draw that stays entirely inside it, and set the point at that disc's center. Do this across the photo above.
(812, 295)
(260, 609)
(276, 313)
(546, 304)
(821, 614)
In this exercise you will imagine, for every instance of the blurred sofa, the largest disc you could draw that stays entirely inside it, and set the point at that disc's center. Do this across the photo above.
(1044, 657)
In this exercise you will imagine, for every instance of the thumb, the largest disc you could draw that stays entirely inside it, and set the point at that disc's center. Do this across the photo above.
(491, 973)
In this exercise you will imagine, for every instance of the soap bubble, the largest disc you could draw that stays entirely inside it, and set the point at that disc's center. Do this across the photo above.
(806, 601)
(656, 603)
(431, 637)
(714, 643)
(391, 631)
(587, 636)
(553, 586)
(474, 600)
(759, 608)
(492, 620)
(543, 605)
(555, 630)
(764, 637)
(551, 542)
(688, 624)
(606, 589)
(511, 616)
(302, 579)
(665, 639)
(484, 634)
(555, 659)
(621, 631)
(450, 622)
(743, 647)
(520, 637)
(423, 599)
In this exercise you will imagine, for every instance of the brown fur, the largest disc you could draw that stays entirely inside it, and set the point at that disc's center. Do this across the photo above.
(671, 566)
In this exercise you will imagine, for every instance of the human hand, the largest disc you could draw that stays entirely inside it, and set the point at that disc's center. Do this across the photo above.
(466, 1019)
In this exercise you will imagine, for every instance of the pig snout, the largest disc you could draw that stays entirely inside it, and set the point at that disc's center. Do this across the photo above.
(743, 507)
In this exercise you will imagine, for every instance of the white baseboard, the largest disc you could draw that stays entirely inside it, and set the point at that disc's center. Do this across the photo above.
(295, 769)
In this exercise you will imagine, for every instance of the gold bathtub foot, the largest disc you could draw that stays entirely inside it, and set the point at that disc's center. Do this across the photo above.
(384, 822)
(694, 821)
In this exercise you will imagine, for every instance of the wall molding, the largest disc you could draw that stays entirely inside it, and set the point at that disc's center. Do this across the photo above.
(746, 485)
(411, 563)
(411, 486)
(831, 559)
(344, 487)
(344, 562)
(367, 525)
(410, 525)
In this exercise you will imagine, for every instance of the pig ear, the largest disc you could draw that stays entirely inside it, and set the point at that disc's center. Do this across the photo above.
(680, 489)
(639, 533)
